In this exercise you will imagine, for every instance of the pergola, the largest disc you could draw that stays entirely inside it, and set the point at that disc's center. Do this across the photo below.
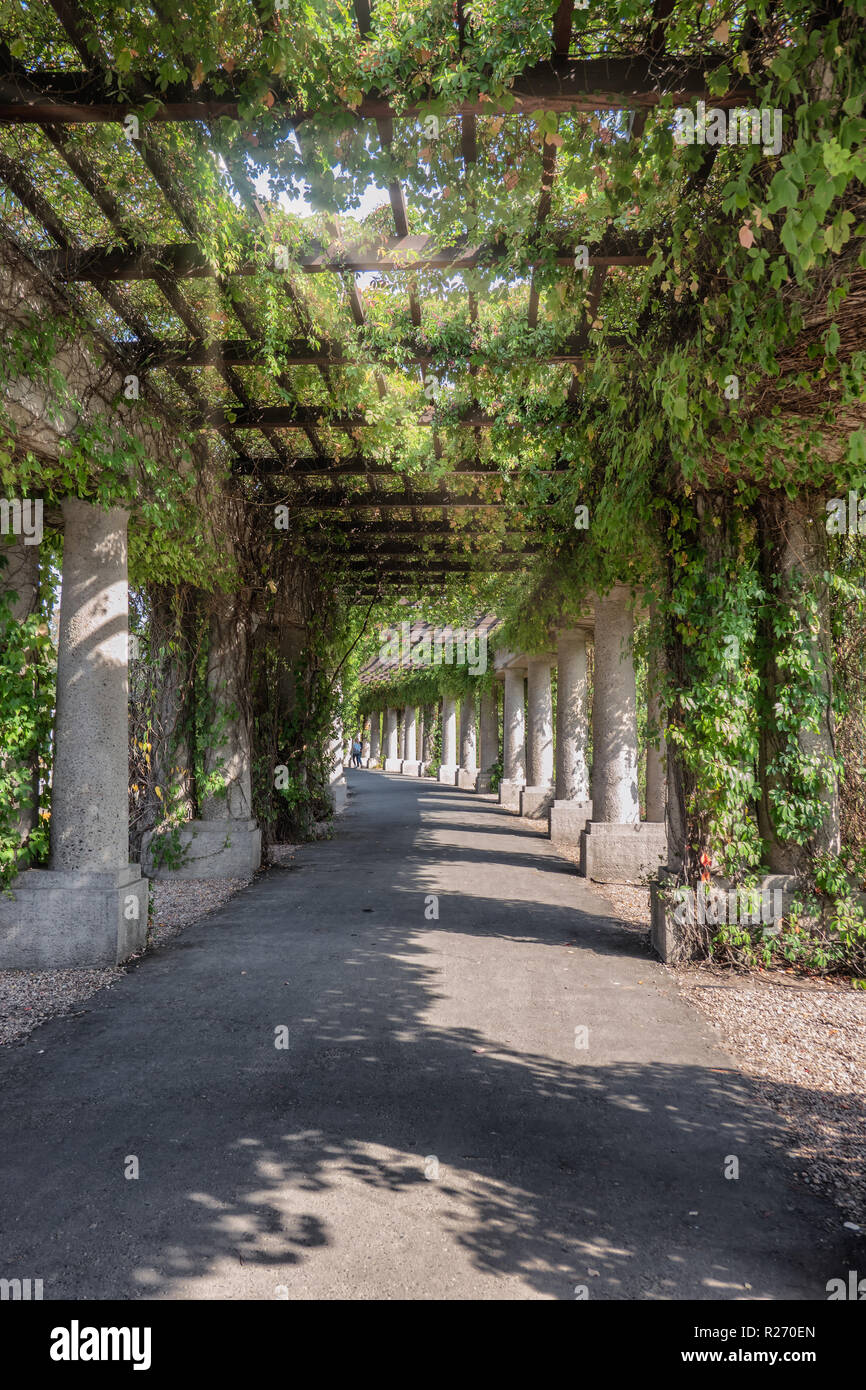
(294, 424)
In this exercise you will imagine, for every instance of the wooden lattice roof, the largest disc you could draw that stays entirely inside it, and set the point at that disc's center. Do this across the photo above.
(186, 288)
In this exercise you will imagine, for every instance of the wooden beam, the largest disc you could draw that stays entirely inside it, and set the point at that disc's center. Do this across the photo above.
(173, 353)
(390, 528)
(310, 466)
(437, 548)
(407, 567)
(334, 499)
(559, 84)
(290, 417)
(188, 261)
(562, 22)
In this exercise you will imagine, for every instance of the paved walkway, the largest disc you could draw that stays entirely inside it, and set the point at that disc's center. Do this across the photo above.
(300, 1172)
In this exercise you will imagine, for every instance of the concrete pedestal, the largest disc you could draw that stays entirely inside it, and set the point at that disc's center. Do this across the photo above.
(207, 848)
(509, 795)
(485, 781)
(393, 764)
(467, 778)
(568, 821)
(448, 774)
(411, 769)
(679, 934)
(535, 802)
(624, 853)
(56, 919)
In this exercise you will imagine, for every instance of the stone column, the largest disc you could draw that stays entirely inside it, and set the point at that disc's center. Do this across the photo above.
(655, 752)
(489, 733)
(392, 760)
(431, 717)
(411, 762)
(365, 740)
(513, 740)
(224, 841)
(572, 807)
(537, 796)
(20, 578)
(90, 906)
(401, 733)
(338, 790)
(375, 737)
(615, 847)
(467, 774)
(448, 766)
(419, 737)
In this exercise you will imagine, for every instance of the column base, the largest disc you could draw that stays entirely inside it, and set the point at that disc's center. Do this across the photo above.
(622, 853)
(509, 795)
(410, 769)
(485, 781)
(677, 932)
(535, 802)
(448, 774)
(467, 778)
(57, 919)
(568, 821)
(393, 764)
(203, 849)
(339, 794)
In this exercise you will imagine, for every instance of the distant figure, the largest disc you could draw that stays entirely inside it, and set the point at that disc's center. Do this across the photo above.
(356, 752)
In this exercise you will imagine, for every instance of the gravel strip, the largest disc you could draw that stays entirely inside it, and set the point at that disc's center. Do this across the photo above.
(803, 1043)
(30, 997)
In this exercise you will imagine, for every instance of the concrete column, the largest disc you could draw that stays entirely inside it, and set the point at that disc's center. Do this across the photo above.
(431, 718)
(20, 578)
(489, 735)
(655, 753)
(614, 715)
(224, 841)
(411, 762)
(448, 767)
(375, 737)
(467, 775)
(419, 737)
(537, 796)
(615, 847)
(89, 797)
(90, 906)
(513, 741)
(392, 760)
(365, 740)
(338, 790)
(401, 733)
(228, 757)
(572, 807)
